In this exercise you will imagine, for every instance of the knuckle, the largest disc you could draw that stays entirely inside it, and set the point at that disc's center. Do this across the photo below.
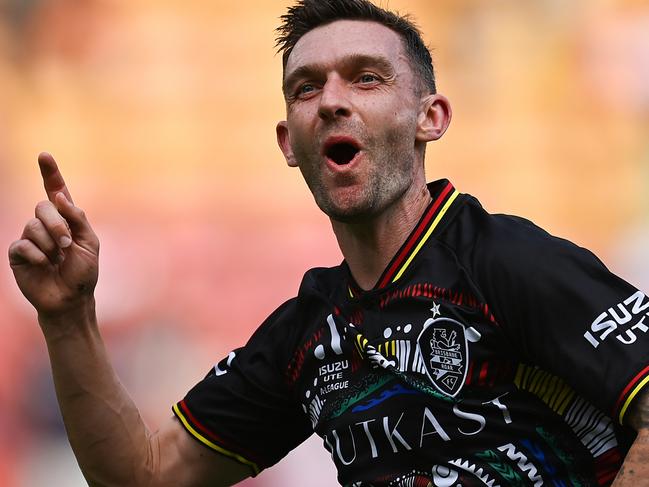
(14, 248)
(59, 228)
(32, 226)
(19, 252)
(21, 245)
(43, 206)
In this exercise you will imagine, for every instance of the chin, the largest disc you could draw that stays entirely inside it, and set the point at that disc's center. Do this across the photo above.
(357, 213)
(350, 204)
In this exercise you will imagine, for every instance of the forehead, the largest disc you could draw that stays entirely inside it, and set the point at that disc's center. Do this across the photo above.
(327, 43)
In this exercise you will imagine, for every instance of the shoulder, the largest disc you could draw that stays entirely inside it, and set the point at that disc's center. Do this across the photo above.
(515, 265)
(289, 321)
(508, 243)
(321, 283)
(496, 231)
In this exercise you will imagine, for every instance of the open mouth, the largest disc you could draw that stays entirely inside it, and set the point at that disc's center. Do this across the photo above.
(342, 153)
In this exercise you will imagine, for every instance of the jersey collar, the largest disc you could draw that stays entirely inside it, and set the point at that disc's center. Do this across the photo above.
(443, 195)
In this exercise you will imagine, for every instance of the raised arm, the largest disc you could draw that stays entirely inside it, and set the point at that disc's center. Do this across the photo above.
(635, 470)
(55, 263)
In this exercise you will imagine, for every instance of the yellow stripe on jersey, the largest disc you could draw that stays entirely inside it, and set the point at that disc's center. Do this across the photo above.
(212, 445)
(361, 341)
(549, 388)
(634, 393)
(421, 243)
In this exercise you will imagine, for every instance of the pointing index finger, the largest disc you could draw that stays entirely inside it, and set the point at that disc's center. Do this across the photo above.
(52, 178)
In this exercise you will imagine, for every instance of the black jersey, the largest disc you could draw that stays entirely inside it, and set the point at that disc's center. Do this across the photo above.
(489, 353)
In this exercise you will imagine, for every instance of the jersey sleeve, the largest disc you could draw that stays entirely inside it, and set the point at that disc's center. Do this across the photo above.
(565, 311)
(243, 408)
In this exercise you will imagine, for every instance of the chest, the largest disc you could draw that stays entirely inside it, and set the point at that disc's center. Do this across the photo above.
(420, 340)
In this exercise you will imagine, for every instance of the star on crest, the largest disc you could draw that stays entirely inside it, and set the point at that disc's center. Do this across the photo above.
(435, 310)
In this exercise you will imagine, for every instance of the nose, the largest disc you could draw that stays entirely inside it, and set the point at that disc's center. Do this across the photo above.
(334, 99)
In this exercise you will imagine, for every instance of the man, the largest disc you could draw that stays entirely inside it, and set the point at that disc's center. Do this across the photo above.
(452, 347)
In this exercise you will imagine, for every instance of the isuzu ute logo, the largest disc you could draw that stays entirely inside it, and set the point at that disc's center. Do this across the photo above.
(443, 347)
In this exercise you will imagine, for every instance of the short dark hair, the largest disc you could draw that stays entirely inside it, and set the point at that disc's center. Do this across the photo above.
(306, 15)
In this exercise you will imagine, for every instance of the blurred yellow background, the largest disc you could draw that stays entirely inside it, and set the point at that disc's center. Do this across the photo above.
(161, 115)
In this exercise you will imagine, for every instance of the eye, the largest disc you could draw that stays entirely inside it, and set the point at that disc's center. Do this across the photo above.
(305, 89)
(367, 78)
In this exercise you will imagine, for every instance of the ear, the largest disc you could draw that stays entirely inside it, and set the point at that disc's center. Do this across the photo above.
(284, 142)
(434, 118)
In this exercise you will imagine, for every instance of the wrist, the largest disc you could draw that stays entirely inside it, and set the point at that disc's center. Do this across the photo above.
(74, 320)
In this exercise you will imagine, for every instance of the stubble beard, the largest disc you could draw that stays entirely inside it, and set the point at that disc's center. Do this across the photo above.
(390, 175)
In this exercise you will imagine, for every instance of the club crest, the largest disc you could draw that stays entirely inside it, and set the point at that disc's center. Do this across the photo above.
(443, 347)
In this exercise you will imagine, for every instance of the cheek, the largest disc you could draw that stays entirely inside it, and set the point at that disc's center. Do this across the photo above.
(303, 146)
(401, 128)
(299, 130)
(398, 112)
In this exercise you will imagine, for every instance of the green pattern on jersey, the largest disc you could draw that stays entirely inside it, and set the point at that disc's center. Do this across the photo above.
(505, 471)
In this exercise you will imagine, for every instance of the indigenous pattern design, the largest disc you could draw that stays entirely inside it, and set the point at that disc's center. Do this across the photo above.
(465, 366)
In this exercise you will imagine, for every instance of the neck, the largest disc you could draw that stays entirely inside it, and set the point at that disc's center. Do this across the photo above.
(368, 247)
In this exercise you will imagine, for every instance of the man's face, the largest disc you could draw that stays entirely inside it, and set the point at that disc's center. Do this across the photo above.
(352, 108)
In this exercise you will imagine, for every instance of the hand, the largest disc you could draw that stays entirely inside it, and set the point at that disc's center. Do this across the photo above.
(55, 261)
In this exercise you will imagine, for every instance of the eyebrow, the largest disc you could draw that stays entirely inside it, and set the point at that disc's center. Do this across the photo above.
(382, 63)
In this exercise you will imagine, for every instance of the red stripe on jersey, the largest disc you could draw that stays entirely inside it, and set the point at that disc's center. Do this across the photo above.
(483, 373)
(414, 237)
(469, 374)
(213, 436)
(627, 389)
(607, 466)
